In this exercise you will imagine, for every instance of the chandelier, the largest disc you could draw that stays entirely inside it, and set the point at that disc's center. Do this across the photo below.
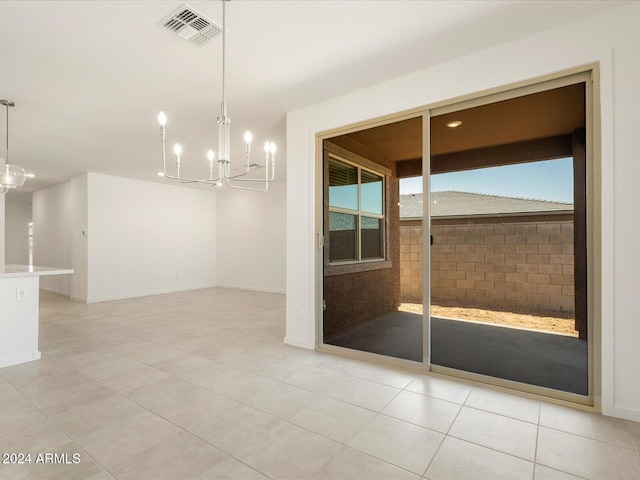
(11, 176)
(223, 173)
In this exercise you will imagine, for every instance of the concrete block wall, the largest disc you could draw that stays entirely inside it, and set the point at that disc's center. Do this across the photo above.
(510, 266)
(411, 264)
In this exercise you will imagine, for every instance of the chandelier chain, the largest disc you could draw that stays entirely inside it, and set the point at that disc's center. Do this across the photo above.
(7, 104)
(224, 49)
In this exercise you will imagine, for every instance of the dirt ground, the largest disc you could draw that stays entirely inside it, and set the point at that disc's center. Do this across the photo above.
(556, 324)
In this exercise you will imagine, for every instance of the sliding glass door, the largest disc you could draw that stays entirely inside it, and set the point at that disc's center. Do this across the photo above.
(508, 265)
(461, 238)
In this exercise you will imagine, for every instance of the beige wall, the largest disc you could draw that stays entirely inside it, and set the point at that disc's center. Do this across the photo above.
(518, 266)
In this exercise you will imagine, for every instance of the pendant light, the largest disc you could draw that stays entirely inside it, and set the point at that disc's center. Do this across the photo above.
(11, 176)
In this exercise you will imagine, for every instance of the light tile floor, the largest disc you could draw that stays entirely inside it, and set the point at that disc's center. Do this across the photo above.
(199, 385)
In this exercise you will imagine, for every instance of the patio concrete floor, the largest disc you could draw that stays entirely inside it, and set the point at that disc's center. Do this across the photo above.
(536, 358)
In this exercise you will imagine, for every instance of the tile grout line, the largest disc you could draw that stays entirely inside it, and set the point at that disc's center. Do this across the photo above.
(189, 432)
(57, 427)
(632, 448)
(343, 445)
(535, 452)
(636, 445)
(446, 435)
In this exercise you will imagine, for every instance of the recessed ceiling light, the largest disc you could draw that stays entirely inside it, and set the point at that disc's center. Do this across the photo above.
(454, 124)
(31, 175)
(160, 174)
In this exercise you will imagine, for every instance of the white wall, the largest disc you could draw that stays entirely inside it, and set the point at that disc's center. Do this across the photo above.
(78, 223)
(2, 200)
(54, 210)
(16, 235)
(610, 39)
(251, 239)
(147, 238)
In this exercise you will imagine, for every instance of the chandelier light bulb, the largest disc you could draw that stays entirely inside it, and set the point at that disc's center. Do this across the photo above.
(267, 147)
(211, 155)
(162, 119)
(272, 147)
(177, 149)
(248, 138)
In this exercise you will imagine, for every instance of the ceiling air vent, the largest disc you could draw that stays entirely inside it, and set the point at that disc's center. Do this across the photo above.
(190, 25)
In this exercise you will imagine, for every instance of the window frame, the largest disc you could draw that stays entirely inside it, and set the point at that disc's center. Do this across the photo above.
(359, 213)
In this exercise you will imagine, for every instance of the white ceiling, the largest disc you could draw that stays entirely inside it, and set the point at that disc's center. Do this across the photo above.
(89, 77)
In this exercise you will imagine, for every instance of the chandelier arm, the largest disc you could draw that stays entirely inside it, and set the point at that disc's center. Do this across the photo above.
(270, 160)
(264, 188)
(210, 181)
(231, 177)
(194, 180)
(247, 168)
(265, 180)
(235, 179)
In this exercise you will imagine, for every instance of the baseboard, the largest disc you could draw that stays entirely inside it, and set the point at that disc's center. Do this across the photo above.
(64, 294)
(55, 292)
(626, 413)
(147, 294)
(18, 359)
(158, 292)
(251, 289)
(295, 342)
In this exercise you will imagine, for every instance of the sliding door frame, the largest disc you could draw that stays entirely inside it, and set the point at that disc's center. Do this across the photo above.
(587, 76)
(319, 242)
(590, 75)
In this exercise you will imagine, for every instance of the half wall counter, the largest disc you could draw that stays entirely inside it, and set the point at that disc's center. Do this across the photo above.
(19, 311)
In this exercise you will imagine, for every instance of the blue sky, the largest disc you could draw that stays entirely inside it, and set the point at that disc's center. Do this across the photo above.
(550, 180)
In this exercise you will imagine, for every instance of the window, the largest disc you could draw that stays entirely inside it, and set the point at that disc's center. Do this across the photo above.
(356, 213)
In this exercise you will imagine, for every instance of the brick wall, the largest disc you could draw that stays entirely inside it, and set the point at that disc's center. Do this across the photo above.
(500, 265)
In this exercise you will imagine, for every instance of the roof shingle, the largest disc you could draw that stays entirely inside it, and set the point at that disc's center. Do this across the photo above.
(452, 203)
